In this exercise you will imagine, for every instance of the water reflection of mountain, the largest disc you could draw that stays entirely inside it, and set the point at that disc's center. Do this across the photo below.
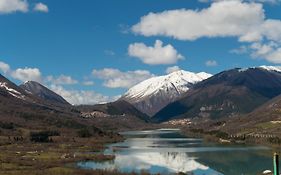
(154, 162)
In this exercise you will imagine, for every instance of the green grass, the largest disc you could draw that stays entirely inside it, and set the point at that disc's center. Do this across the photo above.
(268, 125)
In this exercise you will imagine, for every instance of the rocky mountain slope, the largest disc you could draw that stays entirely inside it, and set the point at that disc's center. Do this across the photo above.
(119, 107)
(43, 93)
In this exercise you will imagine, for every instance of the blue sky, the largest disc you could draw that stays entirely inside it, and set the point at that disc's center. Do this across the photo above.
(93, 51)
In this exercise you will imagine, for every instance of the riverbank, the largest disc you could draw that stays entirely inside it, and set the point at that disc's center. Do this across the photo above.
(57, 158)
(53, 157)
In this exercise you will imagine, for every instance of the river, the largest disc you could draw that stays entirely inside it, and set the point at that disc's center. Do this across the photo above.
(166, 151)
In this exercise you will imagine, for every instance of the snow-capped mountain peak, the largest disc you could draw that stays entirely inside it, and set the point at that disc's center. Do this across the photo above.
(42, 92)
(152, 94)
(271, 68)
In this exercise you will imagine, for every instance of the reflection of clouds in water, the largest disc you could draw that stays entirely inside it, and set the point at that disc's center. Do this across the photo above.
(175, 162)
(154, 162)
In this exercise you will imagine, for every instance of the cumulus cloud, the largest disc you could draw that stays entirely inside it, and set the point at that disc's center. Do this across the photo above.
(62, 79)
(40, 7)
(270, 51)
(77, 97)
(11, 6)
(4, 67)
(241, 50)
(114, 78)
(222, 19)
(211, 63)
(244, 20)
(172, 69)
(27, 74)
(275, 56)
(157, 54)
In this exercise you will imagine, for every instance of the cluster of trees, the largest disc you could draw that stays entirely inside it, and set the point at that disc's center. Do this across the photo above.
(216, 133)
(89, 132)
(7, 125)
(275, 140)
(43, 136)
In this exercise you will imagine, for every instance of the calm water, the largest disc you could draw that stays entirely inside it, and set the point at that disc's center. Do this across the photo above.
(167, 152)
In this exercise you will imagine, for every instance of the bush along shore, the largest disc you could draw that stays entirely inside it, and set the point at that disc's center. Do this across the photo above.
(224, 137)
(55, 152)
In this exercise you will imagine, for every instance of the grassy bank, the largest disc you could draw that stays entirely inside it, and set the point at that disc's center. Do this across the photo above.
(24, 157)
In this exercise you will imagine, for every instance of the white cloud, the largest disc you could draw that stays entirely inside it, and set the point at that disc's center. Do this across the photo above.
(109, 52)
(172, 69)
(40, 7)
(275, 56)
(4, 67)
(158, 54)
(88, 83)
(270, 51)
(260, 50)
(62, 79)
(240, 50)
(81, 97)
(114, 78)
(11, 6)
(211, 63)
(27, 74)
(244, 20)
(222, 19)
(225, 18)
(75, 97)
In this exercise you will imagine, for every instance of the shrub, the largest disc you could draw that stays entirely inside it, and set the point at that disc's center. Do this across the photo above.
(7, 125)
(90, 131)
(275, 140)
(84, 132)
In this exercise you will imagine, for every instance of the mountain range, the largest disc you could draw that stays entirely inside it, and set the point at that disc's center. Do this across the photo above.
(183, 94)
(179, 95)
(229, 93)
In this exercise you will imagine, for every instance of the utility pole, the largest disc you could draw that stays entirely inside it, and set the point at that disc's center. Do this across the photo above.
(276, 163)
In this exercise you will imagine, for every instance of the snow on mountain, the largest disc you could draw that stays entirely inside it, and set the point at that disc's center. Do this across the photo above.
(271, 68)
(153, 94)
(11, 91)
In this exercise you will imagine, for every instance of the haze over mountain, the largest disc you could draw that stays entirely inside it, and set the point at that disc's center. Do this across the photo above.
(229, 93)
(153, 94)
